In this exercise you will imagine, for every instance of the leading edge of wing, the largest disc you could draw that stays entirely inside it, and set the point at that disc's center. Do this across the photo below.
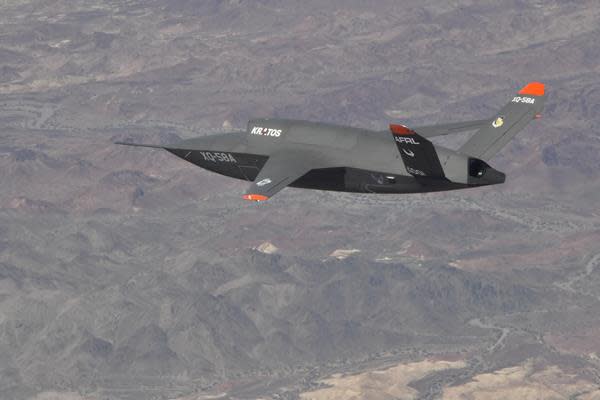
(450, 128)
(152, 146)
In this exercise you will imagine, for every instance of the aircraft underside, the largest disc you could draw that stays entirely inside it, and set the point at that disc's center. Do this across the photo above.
(343, 179)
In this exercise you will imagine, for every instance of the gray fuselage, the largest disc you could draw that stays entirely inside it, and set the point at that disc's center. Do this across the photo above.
(343, 158)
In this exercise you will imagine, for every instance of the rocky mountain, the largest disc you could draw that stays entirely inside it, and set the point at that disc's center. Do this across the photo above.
(127, 273)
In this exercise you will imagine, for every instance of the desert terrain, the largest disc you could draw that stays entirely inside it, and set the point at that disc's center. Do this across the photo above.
(129, 274)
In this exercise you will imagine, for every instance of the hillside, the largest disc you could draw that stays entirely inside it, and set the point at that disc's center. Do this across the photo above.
(127, 273)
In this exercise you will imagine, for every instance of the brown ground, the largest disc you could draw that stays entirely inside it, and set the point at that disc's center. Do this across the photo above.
(376, 385)
(525, 381)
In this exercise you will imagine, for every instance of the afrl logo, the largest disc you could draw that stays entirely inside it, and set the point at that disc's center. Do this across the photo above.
(259, 130)
(527, 100)
(409, 153)
(406, 139)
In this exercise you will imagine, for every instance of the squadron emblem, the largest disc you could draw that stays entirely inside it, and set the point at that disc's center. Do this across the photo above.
(498, 122)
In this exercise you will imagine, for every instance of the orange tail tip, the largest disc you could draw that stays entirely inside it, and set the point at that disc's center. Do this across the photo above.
(533, 89)
(401, 130)
(255, 197)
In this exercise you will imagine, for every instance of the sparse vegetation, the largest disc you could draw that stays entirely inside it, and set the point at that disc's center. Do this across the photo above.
(130, 274)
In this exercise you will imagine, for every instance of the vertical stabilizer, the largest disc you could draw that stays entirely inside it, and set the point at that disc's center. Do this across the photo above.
(525, 106)
(418, 154)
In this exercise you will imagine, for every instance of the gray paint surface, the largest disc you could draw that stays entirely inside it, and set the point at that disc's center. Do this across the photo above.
(392, 162)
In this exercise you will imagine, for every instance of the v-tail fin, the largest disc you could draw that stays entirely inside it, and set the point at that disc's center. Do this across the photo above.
(526, 106)
(418, 154)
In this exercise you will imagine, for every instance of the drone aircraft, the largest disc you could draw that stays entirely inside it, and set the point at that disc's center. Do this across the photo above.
(275, 153)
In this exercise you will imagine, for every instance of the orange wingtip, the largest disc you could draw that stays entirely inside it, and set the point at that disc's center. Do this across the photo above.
(533, 89)
(401, 130)
(255, 197)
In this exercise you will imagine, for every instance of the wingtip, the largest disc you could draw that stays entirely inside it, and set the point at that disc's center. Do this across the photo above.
(533, 89)
(255, 197)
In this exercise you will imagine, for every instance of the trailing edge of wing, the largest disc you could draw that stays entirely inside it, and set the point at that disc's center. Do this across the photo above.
(280, 170)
